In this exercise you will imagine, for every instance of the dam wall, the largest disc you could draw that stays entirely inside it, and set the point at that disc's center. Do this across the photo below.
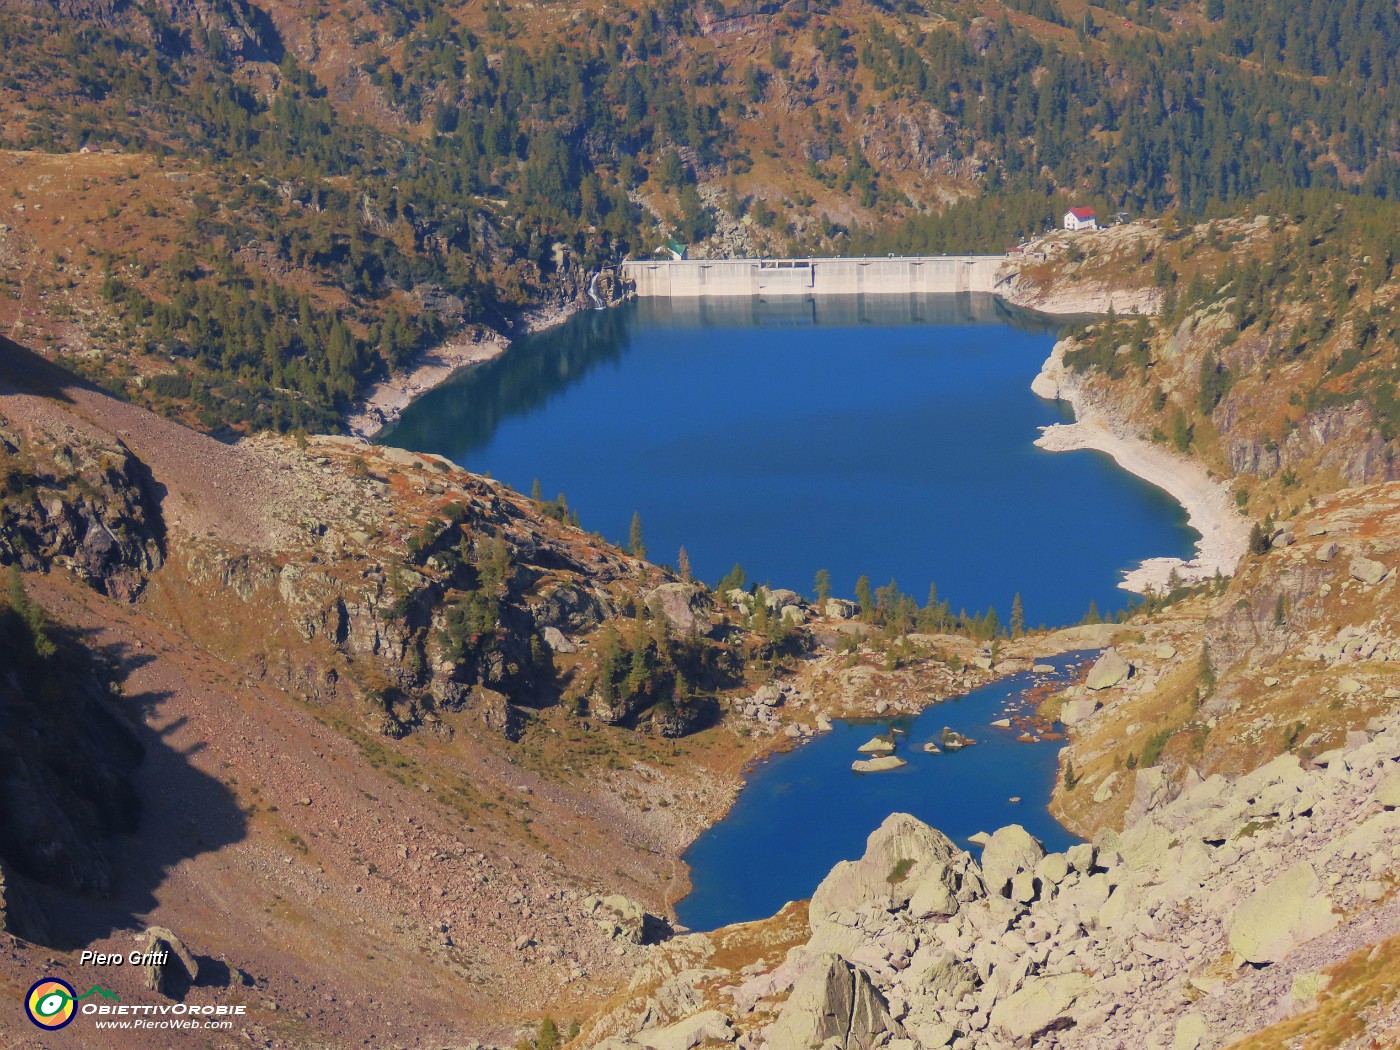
(770, 278)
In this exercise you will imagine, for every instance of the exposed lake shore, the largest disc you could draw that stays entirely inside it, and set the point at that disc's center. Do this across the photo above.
(1210, 510)
(385, 402)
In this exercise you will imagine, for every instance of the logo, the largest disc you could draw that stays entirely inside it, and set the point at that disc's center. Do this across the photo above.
(51, 1003)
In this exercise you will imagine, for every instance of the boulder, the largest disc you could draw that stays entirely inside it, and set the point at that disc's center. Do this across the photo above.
(157, 940)
(1164, 652)
(1388, 790)
(877, 765)
(1192, 1033)
(904, 858)
(1042, 668)
(840, 609)
(684, 606)
(1151, 790)
(1009, 852)
(556, 640)
(833, 1005)
(1104, 791)
(1279, 916)
(689, 1033)
(1072, 712)
(1109, 670)
(1053, 868)
(1367, 570)
(1040, 1004)
(1327, 552)
(624, 919)
(780, 598)
(769, 696)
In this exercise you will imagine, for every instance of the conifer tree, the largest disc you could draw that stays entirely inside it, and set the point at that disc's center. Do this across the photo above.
(823, 586)
(636, 546)
(1018, 617)
(683, 564)
(865, 597)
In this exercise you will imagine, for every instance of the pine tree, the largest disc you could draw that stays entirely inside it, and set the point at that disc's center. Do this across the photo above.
(535, 491)
(823, 586)
(636, 546)
(733, 580)
(1018, 617)
(683, 563)
(991, 625)
(1258, 540)
(865, 597)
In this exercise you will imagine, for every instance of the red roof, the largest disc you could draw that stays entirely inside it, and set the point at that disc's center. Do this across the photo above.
(1082, 213)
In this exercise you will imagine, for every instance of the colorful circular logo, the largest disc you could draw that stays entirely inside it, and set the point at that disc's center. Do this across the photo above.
(50, 1003)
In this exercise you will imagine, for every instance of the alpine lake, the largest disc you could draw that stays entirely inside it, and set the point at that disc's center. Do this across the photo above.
(883, 436)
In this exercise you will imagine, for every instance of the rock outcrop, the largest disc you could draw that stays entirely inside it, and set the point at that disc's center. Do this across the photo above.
(80, 504)
(684, 606)
(836, 1006)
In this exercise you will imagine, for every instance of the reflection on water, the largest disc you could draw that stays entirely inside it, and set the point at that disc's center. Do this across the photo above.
(472, 404)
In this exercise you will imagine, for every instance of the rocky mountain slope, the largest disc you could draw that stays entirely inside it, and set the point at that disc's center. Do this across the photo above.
(1241, 903)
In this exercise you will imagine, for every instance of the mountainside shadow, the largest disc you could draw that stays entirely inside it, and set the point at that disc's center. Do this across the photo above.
(96, 806)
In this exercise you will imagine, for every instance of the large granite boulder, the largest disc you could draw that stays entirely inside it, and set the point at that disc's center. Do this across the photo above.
(1040, 1004)
(905, 861)
(1109, 670)
(684, 606)
(1281, 915)
(165, 951)
(710, 1025)
(1010, 852)
(832, 1005)
(1075, 711)
(1367, 570)
(840, 609)
(624, 919)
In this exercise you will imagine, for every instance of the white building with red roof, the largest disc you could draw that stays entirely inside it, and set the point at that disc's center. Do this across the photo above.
(1081, 219)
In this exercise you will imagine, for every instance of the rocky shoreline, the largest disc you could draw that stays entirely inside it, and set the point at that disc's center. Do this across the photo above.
(387, 400)
(1209, 507)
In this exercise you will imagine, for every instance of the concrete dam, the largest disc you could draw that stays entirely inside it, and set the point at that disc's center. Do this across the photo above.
(769, 278)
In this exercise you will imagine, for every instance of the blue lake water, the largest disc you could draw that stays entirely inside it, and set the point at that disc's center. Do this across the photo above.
(803, 811)
(882, 436)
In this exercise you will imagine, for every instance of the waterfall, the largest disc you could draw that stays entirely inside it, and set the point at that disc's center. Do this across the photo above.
(598, 303)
